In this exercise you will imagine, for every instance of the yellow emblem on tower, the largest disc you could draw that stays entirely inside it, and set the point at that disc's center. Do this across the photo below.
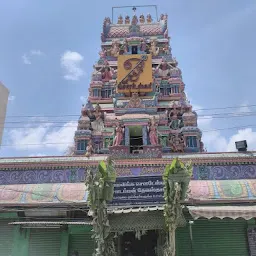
(134, 73)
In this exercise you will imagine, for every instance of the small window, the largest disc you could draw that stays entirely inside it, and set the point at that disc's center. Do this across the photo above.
(165, 91)
(81, 145)
(192, 142)
(175, 89)
(134, 49)
(95, 92)
(106, 93)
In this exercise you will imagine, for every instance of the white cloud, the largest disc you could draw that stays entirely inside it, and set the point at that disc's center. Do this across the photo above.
(245, 134)
(61, 138)
(27, 56)
(214, 141)
(36, 52)
(26, 59)
(11, 98)
(71, 64)
(36, 155)
(43, 136)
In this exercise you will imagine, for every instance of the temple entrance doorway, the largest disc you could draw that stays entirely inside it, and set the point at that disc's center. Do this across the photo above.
(145, 246)
(136, 140)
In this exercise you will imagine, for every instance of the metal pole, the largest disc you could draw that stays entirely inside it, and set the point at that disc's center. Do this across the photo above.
(191, 237)
(132, 6)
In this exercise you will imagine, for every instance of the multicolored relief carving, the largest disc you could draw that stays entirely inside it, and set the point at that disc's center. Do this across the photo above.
(201, 172)
(152, 128)
(199, 191)
(89, 149)
(119, 134)
(135, 80)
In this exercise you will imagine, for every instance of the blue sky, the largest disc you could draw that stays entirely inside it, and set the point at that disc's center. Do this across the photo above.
(48, 48)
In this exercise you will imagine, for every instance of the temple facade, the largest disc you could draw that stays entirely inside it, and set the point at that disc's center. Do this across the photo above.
(138, 114)
(137, 104)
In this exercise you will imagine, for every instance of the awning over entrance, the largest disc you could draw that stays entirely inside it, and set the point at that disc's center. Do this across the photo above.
(134, 209)
(40, 194)
(47, 223)
(201, 191)
(221, 212)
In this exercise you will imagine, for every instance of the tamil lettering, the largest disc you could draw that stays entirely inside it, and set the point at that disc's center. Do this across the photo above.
(138, 190)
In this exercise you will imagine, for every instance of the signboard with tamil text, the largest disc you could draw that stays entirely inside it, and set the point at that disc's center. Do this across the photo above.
(144, 190)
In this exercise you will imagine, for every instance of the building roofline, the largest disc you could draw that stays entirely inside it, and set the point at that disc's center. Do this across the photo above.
(53, 162)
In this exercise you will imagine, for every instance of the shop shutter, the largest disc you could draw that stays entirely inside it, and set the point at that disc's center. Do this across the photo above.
(6, 238)
(183, 241)
(82, 243)
(44, 242)
(214, 237)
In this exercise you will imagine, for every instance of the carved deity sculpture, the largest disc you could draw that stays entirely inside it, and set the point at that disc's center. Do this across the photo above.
(154, 50)
(107, 21)
(89, 149)
(84, 121)
(135, 101)
(166, 49)
(98, 124)
(202, 149)
(134, 20)
(175, 71)
(106, 72)
(176, 142)
(96, 75)
(120, 19)
(119, 134)
(114, 51)
(149, 18)
(142, 19)
(152, 128)
(125, 47)
(163, 17)
(175, 122)
(127, 19)
(143, 45)
(103, 53)
(163, 69)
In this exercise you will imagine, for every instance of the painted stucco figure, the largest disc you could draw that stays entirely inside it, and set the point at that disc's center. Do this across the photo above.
(98, 124)
(152, 128)
(154, 50)
(119, 134)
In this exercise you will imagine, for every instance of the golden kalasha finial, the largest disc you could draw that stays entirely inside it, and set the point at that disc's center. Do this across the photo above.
(120, 19)
(142, 19)
(149, 18)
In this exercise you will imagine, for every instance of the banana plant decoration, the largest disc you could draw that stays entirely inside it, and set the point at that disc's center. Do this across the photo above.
(176, 179)
(101, 190)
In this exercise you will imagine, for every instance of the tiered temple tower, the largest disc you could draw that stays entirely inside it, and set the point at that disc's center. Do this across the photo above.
(137, 106)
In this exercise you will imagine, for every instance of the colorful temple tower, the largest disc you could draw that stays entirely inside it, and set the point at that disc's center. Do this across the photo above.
(137, 106)
(137, 113)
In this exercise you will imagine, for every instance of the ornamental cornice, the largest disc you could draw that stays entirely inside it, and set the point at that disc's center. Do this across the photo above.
(82, 161)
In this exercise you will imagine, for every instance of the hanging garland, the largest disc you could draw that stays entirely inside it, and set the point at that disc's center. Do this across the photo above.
(101, 190)
(176, 179)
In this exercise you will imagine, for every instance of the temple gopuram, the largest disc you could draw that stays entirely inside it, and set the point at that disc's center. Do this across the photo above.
(137, 115)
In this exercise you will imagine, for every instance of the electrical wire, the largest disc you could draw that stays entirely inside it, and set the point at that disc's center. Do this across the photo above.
(51, 122)
(135, 138)
(76, 115)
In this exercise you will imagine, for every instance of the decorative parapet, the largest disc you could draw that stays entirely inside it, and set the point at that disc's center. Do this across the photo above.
(148, 151)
